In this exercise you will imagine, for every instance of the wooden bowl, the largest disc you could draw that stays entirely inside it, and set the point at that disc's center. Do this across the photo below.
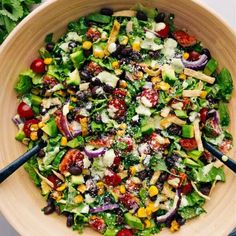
(20, 200)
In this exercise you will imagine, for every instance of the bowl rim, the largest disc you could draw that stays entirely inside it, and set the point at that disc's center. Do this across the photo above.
(42, 7)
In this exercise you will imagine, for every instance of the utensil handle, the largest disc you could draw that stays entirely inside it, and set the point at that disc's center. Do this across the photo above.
(12, 167)
(225, 159)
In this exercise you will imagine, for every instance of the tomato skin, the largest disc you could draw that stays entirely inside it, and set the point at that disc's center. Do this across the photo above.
(25, 111)
(203, 115)
(118, 108)
(93, 34)
(184, 39)
(194, 56)
(97, 223)
(151, 95)
(188, 144)
(38, 66)
(187, 188)
(129, 201)
(164, 32)
(55, 180)
(119, 93)
(112, 179)
(27, 125)
(125, 232)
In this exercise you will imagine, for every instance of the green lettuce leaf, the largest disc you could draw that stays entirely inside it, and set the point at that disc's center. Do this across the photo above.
(191, 211)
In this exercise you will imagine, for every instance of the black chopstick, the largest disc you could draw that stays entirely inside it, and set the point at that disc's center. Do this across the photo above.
(219, 155)
(12, 167)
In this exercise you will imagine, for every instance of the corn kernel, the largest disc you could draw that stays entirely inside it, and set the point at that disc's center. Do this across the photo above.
(63, 141)
(123, 126)
(203, 94)
(132, 170)
(100, 184)
(34, 127)
(142, 212)
(140, 74)
(84, 126)
(153, 191)
(120, 132)
(186, 55)
(182, 76)
(71, 108)
(124, 40)
(157, 86)
(136, 46)
(147, 223)
(122, 189)
(73, 99)
(57, 195)
(155, 80)
(85, 172)
(164, 86)
(99, 54)
(118, 71)
(87, 45)
(100, 191)
(60, 93)
(151, 208)
(115, 65)
(174, 226)
(47, 61)
(71, 91)
(41, 124)
(34, 136)
(61, 188)
(78, 199)
(81, 188)
(123, 84)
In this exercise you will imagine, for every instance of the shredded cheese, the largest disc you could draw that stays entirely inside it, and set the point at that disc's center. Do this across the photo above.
(199, 75)
(197, 133)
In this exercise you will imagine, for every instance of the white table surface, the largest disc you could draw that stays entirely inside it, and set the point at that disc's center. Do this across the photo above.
(226, 9)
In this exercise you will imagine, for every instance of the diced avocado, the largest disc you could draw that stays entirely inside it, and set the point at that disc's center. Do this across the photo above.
(99, 18)
(195, 154)
(77, 58)
(77, 179)
(35, 100)
(187, 131)
(181, 114)
(190, 162)
(76, 142)
(111, 232)
(50, 128)
(20, 136)
(133, 221)
(168, 74)
(210, 67)
(74, 78)
(150, 125)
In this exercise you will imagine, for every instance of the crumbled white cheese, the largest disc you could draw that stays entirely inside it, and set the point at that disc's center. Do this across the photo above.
(145, 101)
(112, 47)
(85, 209)
(73, 36)
(84, 86)
(65, 47)
(149, 35)
(99, 90)
(143, 148)
(86, 162)
(109, 157)
(65, 109)
(104, 117)
(108, 78)
(84, 112)
(135, 118)
(48, 102)
(177, 106)
(89, 199)
(147, 85)
(112, 111)
(169, 48)
(142, 110)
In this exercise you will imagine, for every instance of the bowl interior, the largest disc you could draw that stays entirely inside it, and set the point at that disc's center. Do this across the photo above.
(20, 200)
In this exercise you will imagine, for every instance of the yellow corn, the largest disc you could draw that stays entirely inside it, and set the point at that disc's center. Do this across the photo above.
(63, 141)
(142, 212)
(34, 136)
(41, 124)
(84, 126)
(118, 71)
(155, 80)
(47, 61)
(147, 223)
(132, 170)
(57, 195)
(34, 127)
(115, 65)
(122, 189)
(124, 40)
(100, 184)
(157, 87)
(136, 46)
(140, 74)
(73, 99)
(182, 76)
(81, 188)
(60, 93)
(78, 199)
(85, 172)
(123, 84)
(120, 132)
(123, 126)
(203, 94)
(151, 208)
(153, 191)
(174, 226)
(186, 55)
(35, 91)
(164, 86)
(61, 188)
(87, 45)
(98, 54)
(71, 91)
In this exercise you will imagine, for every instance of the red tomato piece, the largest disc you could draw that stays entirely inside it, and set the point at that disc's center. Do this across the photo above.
(55, 180)
(184, 39)
(203, 115)
(164, 32)
(112, 179)
(93, 34)
(116, 108)
(94, 68)
(38, 66)
(188, 143)
(120, 93)
(25, 111)
(97, 223)
(154, 143)
(103, 142)
(187, 188)
(125, 232)
(194, 56)
(27, 125)
(129, 201)
(50, 81)
(149, 97)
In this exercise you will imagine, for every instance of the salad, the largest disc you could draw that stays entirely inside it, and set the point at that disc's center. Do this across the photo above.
(123, 100)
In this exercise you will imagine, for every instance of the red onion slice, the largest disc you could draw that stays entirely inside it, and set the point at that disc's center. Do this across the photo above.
(197, 65)
(106, 207)
(17, 120)
(94, 153)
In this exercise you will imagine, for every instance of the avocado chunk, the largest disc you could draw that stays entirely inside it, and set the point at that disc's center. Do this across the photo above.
(111, 232)
(187, 131)
(194, 154)
(77, 58)
(76, 142)
(168, 74)
(20, 136)
(74, 78)
(181, 114)
(99, 18)
(77, 179)
(133, 221)
(210, 67)
(51, 128)
(149, 126)
(35, 100)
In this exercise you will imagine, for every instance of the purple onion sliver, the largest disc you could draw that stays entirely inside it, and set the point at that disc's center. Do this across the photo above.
(197, 65)
(65, 128)
(94, 153)
(106, 207)
(17, 120)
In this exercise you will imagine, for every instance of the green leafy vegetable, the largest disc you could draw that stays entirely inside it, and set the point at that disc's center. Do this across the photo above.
(29, 167)
(191, 212)
(224, 114)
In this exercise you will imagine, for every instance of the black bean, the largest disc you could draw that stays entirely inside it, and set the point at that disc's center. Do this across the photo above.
(154, 54)
(58, 210)
(160, 17)
(163, 177)
(43, 111)
(41, 153)
(135, 56)
(96, 82)
(180, 220)
(87, 53)
(49, 209)
(126, 51)
(75, 170)
(107, 200)
(107, 88)
(211, 99)
(142, 175)
(174, 129)
(205, 188)
(149, 173)
(153, 198)
(50, 46)
(206, 52)
(72, 44)
(106, 11)
(141, 16)
(80, 95)
(70, 220)
(171, 160)
(119, 216)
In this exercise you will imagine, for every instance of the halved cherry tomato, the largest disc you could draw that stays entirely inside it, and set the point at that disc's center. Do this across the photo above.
(187, 188)
(97, 223)
(93, 34)
(203, 115)
(94, 68)
(112, 179)
(188, 143)
(38, 66)
(116, 108)
(164, 32)
(25, 111)
(27, 125)
(184, 39)
(125, 232)
(129, 201)
(149, 97)
(194, 56)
